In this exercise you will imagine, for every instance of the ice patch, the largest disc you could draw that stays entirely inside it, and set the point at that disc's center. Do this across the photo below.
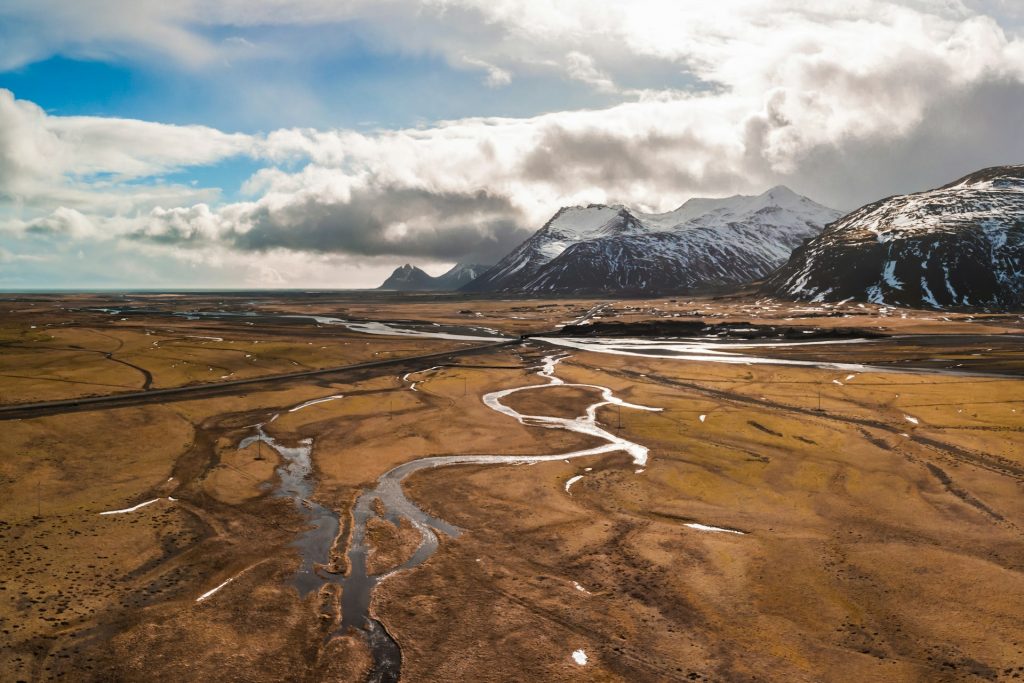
(580, 657)
(571, 481)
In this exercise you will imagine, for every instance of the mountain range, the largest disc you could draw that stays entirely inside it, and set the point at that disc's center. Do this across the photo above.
(958, 245)
(409, 278)
(600, 249)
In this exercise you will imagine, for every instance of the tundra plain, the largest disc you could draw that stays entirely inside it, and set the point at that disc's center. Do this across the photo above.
(834, 511)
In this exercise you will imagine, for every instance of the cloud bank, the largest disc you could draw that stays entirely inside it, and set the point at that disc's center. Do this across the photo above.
(844, 103)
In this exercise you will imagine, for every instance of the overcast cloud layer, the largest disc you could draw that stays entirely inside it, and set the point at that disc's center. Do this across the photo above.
(845, 104)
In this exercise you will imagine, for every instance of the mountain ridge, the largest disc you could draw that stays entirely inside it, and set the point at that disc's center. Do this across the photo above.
(409, 278)
(598, 248)
(961, 244)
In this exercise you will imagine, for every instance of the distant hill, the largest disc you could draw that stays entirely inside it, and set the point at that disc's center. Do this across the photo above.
(959, 245)
(409, 278)
(601, 249)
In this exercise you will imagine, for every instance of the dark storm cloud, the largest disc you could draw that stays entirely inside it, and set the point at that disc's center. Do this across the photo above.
(390, 221)
(387, 221)
(608, 159)
(973, 129)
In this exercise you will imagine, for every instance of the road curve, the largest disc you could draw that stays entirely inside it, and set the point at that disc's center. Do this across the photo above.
(190, 392)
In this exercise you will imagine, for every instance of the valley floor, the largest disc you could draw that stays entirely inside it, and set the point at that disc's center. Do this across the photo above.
(845, 511)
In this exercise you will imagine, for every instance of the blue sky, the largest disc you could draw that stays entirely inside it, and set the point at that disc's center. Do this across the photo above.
(349, 86)
(145, 144)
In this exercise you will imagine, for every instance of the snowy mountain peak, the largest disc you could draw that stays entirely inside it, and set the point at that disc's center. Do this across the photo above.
(409, 278)
(599, 248)
(781, 193)
(580, 220)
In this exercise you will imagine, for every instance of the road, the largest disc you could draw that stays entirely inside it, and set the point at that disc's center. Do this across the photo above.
(191, 392)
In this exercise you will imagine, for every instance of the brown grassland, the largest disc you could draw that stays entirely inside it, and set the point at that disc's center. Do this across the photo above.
(882, 513)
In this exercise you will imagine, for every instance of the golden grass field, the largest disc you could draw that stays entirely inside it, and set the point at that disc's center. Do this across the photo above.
(873, 548)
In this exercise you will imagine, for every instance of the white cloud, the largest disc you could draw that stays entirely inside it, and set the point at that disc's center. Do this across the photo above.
(496, 76)
(582, 68)
(62, 222)
(36, 145)
(36, 29)
(8, 256)
(84, 162)
(263, 275)
(793, 92)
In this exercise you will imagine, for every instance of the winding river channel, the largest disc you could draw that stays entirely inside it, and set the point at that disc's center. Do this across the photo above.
(386, 499)
(324, 525)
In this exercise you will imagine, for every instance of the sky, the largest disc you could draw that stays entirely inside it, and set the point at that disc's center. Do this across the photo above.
(322, 143)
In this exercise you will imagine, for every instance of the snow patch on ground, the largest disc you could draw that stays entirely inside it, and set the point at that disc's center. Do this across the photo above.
(314, 402)
(131, 509)
(713, 529)
(210, 592)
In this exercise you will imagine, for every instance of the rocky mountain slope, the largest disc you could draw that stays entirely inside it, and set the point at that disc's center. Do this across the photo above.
(611, 249)
(409, 278)
(959, 245)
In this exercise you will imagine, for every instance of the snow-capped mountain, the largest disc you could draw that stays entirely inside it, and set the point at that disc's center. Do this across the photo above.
(460, 274)
(612, 249)
(959, 245)
(409, 278)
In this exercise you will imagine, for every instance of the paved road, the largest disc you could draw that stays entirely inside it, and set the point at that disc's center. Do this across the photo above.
(238, 386)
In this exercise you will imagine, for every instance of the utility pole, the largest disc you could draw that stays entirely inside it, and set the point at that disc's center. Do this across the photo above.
(259, 449)
(619, 406)
(39, 509)
(463, 386)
